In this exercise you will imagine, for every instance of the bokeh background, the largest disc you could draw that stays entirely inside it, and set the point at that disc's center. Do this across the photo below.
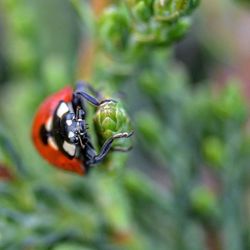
(181, 69)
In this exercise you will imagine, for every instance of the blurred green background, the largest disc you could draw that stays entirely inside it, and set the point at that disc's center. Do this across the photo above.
(181, 70)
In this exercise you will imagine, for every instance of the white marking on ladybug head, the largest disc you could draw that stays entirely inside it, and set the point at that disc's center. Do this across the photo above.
(71, 134)
(48, 124)
(70, 106)
(52, 143)
(69, 148)
(69, 122)
(62, 109)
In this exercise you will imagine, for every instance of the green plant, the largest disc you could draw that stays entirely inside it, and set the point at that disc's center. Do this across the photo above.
(186, 183)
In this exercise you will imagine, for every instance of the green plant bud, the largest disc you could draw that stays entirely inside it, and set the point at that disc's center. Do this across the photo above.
(162, 10)
(165, 11)
(114, 29)
(142, 11)
(178, 30)
(171, 10)
(204, 202)
(213, 151)
(159, 33)
(110, 119)
(155, 22)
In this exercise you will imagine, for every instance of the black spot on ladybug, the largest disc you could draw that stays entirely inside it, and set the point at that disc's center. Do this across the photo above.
(44, 135)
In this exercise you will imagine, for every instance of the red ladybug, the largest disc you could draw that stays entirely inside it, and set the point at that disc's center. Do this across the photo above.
(60, 134)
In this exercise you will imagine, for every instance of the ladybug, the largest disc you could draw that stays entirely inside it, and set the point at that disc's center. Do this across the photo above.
(60, 134)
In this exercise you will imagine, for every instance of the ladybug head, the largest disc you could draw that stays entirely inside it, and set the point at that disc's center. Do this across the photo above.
(73, 129)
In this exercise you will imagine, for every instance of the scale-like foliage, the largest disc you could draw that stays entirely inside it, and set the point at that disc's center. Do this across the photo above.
(185, 184)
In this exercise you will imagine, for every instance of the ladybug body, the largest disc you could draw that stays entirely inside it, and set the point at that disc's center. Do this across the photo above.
(59, 131)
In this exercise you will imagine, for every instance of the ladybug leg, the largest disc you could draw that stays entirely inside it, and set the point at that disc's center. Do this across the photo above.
(83, 86)
(106, 148)
(80, 97)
